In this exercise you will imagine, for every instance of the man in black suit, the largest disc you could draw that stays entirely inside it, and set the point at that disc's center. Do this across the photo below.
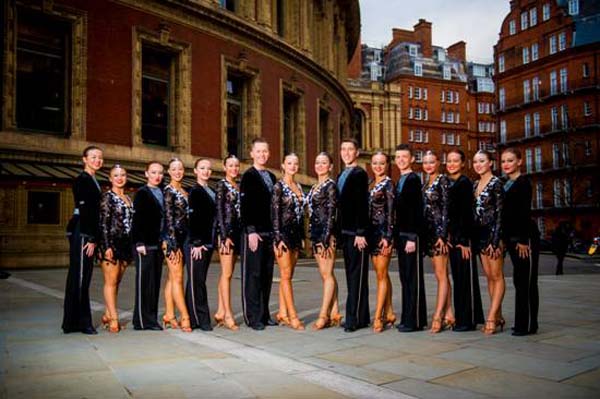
(353, 190)
(257, 255)
(408, 206)
(146, 230)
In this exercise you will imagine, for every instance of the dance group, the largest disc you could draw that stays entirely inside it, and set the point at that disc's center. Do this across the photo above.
(262, 220)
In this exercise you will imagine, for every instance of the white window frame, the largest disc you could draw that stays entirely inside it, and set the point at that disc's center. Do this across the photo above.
(538, 159)
(546, 12)
(417, 93)
(535, 52)
(587, 108)
(528, 160)
(567, 191)
(564, 78)
(527, 125)
(526, 91)
(533, 16)
(539, 195)
(424, 93)
(501, 63)
(564, 116)
(512, 27)
(562, 41)
(553, 83)
(525, 52)
(536, 123)
(410, 92)
(573, 7)
(585, 70)
(413, 50)
(524, 20)
(554, 118)
(447, 72)
(553, 47)
(555, 156)
(557, 194)
(450, 138)
(418, 69)
(417, 113)
(419, 156)
(501, 98)
(450, 117)
(535, 88)
(503, 131)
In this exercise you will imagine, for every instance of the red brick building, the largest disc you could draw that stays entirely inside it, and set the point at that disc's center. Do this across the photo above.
(440, 93)
(153, 79)
(547, 83)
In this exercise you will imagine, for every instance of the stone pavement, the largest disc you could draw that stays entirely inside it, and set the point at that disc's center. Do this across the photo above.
(37, 360)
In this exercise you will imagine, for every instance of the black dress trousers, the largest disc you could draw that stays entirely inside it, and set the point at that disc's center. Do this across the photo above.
(356, 263)
(525, 280)
(77, 312)
(414, 306)
(196, 297)
(148, 271)
(467, 295)
(257, 278)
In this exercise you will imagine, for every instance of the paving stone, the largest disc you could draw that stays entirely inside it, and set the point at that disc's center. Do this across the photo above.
(421, 389)
(376, 377)
(420, 367)
(360, 355)
(591, 379)
(500, 383)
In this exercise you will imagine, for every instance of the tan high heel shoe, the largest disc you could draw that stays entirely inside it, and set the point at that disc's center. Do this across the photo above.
(296, 323)
(335, 320)
(390, 319)
(185, 325)
(114, 326)
(170, 322)
(449, 323)
(377, 325)
(436, 325)
(282, 320)
(105, 321)
(500, 323)
(218, 319)
(321, 323)
(229, 323)
(490, 327)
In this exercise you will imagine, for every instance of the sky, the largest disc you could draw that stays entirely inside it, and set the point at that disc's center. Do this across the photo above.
(477, 22)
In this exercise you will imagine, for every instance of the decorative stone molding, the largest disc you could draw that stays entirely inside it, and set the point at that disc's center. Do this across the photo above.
(298, 136)
(78, 67)
(180, 118)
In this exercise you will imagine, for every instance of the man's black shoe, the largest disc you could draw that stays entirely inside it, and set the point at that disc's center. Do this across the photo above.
(89, 331)
(270, 322)
(257, 326)
(4, 275)
(464, 328)
(154, 328)
(206, 327)
(349, 329)
(407, 329)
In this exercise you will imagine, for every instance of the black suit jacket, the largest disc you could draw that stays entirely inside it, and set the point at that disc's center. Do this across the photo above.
(202, 210)
(516, 212)
(255, 204)
(353, 203)
(460, 211)
(87, 195)
(408, 205)
(148, 216)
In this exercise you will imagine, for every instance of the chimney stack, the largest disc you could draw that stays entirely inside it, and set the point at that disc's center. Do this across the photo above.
(423, 37)
(458, 51)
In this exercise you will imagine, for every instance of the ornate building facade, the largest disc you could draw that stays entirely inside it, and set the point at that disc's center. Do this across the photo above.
(154, 79)
(548, 106)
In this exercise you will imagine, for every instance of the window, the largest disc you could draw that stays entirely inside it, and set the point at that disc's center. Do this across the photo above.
(447, 72)
(410, 113)
(450, 138)
(552, 44)
(417, 113)
(410, 92)
(449, 96)
(480, 108)
(526, 91)
(442, 96)
(42, 73)
(546, 12)
(539, 195)
(325, 134)
(585, 70)
(450, 117)
(589, 191)
(512, 27)
(418, 69)
(43, 207)
(524, 20)
(157, 95)
(553, 83)
(292, 116)
(425, 115)
(565, 154)
(555, 156)
(455, 97)
(573, 7)
(501, 99)
(417, 136)
(554, 118)
(425, 94)
(563, 80)
(280, 5)
(533, 17)
(501, 63)
(557, 194)
(538, 159)
(541, 222)
(235, 110)
(564, 116)
(503, 131)
(535, 53)
(588, 148)
(525, 55)
(444, 157)
(562, 41)
(528, 160)
(419, 156)
(487, 108)
(412, 50)
(417, 93)
(481, 126)
(536, 123)
(228, 5)
(457, 118)
(535, 86)
(567, 191)
(527, 125)
(587, 108)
